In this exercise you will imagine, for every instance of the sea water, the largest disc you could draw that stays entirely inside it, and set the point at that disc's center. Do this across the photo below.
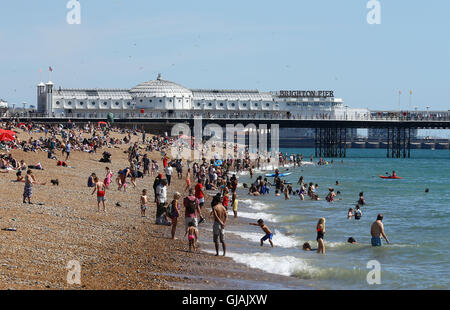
(417, 223)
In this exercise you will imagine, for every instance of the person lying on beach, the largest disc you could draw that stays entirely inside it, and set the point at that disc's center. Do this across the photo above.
(266, 229)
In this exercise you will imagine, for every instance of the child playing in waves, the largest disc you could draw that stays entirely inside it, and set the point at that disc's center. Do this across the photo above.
(192, 233)
(144, 201)
(266, 229)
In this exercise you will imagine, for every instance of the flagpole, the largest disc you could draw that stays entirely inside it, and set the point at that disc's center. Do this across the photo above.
(410, 99)
(399, 95)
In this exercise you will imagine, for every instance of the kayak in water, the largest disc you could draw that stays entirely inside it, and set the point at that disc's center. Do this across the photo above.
(389, 177)
(279, 174)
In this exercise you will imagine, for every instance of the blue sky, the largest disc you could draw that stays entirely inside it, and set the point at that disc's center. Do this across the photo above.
(265, 45)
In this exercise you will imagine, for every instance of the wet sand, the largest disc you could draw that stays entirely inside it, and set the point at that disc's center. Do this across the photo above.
(117, 250)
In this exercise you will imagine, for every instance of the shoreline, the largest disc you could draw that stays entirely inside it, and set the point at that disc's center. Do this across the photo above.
(119, 250)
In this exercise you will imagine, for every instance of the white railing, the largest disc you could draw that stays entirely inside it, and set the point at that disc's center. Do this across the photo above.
(373, 116)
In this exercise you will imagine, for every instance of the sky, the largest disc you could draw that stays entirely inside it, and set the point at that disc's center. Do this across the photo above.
(264, 45)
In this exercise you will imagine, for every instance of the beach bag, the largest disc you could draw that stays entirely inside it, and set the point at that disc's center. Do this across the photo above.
(170, 211)
(191, 206)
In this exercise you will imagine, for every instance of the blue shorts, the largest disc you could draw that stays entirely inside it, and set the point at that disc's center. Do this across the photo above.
(268, 236)
(376, 241)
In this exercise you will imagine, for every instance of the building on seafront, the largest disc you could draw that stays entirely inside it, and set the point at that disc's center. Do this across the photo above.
(160, 98)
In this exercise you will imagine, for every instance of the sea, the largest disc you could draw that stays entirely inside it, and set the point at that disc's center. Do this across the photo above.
(416, 222)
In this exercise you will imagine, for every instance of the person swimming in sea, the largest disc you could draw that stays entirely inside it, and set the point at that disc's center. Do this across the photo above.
(331, 195)
(350, 213)
(351, 240)
(307, 247)
(361, 200)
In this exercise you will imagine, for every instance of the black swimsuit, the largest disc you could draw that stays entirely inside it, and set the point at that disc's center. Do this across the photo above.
(320, 235)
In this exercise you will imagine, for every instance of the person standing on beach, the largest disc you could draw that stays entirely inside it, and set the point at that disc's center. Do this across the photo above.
(220, 220)
(28, 189)
(169, 171)
(320, 235)
(200, 195)
(146, 164)
(100, 189)
(161, 199)
(234, 204)
(156, 182)
(188, 180)
(68, 149)
(174, 212)
(377, 231)
(144, 202)
(192, 209)
(108, 177)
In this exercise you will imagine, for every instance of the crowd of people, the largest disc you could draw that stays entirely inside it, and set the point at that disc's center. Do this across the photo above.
(215, 177)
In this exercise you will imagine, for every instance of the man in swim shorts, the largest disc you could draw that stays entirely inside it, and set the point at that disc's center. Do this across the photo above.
(220, 220)
(377, 231)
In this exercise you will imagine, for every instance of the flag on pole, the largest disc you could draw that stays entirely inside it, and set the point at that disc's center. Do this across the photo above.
(50, 69)
(399, 92)
(410, 92)
(40, 70)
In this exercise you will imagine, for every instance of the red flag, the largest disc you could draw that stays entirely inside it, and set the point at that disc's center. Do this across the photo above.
(400, 92)
(50, 69)
(40, 70)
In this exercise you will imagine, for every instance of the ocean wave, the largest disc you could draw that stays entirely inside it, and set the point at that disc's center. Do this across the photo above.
(256, 216)
(286, 265)
(279, 239)
(256, 205)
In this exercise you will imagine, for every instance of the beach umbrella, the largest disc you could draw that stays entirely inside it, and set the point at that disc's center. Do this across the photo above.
(6, 137)
(22, 124)
(12, 133)
(218, 162)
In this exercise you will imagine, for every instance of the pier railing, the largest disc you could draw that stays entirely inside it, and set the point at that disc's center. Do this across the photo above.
(165, 115)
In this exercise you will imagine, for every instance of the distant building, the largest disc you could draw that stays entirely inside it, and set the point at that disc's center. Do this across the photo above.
(165, 96)
(309, 133)
(381, 134)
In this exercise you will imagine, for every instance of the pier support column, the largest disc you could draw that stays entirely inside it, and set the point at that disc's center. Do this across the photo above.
(398, 142)
(330, 142)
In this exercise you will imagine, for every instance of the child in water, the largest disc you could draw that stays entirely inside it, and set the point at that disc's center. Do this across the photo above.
(192, 233)
(266, 229)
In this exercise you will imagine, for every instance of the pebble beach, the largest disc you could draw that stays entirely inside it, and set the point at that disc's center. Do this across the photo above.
(117, 250)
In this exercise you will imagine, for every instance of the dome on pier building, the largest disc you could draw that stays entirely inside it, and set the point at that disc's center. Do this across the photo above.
(162, 94)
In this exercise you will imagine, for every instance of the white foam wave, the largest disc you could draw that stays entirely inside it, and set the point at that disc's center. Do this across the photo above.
(255, 205)
(256, 216)
(286, 265)
(279, 239)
